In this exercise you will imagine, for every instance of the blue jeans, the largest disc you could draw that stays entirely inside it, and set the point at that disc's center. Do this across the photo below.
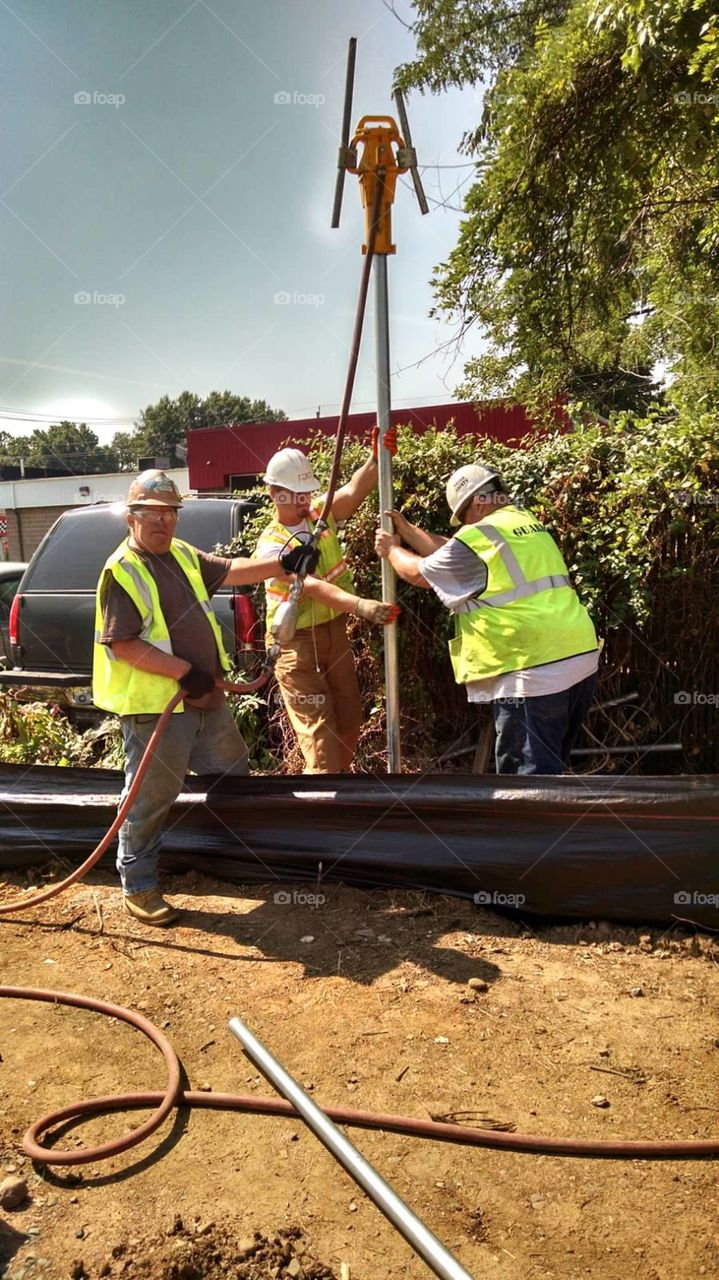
(536, 735)
(208, 742)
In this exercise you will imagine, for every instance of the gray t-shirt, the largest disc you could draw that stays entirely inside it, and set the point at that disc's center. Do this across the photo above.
(456, 574)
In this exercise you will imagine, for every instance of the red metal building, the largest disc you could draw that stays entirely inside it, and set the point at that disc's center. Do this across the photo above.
(232, 457)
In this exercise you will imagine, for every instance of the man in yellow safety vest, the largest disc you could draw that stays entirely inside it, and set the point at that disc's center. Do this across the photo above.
(315, 670)
(523, 639)
(156, 633)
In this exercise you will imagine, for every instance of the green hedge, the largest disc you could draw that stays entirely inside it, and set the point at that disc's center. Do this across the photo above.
(632, 503)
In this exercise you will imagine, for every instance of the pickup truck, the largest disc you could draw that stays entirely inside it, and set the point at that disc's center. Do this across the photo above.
(52, 618)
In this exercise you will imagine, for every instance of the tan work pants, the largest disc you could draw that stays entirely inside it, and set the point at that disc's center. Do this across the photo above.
(316, 674)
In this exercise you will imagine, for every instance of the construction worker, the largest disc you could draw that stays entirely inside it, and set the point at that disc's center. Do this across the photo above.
(523, 640)
(156, 633)
(316, 671)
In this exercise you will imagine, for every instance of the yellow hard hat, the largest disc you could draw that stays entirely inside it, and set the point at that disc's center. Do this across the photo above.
(153, 489)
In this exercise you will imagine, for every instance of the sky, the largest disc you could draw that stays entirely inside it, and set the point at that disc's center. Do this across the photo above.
(166, 187)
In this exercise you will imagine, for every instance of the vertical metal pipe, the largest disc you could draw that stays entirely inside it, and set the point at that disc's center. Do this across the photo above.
(391, 657)
(415, 1232)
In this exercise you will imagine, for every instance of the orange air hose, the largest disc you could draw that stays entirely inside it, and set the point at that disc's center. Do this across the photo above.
(174, 1096)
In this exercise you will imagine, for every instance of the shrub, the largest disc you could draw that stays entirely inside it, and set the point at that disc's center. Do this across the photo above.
(632, 503)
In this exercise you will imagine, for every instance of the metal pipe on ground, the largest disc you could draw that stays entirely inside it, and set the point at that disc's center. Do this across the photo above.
(417, 1234)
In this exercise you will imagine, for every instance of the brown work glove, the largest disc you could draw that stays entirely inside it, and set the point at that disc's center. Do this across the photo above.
(375, 611)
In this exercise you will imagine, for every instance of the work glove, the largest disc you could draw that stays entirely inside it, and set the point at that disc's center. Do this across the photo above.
(390, 441)
(303, 559)
(196, 682)
(375, 611)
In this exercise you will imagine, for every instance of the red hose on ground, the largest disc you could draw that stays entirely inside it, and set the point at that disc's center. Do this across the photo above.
(173, 1095)
(23, 903)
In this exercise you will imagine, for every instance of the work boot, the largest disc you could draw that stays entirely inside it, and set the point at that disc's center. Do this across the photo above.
(150, 907)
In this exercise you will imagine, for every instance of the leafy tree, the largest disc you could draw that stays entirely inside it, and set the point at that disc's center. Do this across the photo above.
(64, 446)
(590, 248)
(163, 426)
(123, 448)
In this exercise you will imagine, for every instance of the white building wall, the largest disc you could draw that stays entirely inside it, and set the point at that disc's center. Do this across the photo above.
(75, 491)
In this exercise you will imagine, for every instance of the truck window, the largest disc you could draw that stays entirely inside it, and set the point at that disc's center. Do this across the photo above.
(73, 552)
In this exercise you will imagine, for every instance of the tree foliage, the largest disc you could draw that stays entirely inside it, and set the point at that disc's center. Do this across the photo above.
(159, 430)
(589, 253)
(163, 426)
(634, 507)
(66, 446)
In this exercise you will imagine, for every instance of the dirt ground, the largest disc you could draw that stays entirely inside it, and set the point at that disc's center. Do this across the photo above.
(365, 999)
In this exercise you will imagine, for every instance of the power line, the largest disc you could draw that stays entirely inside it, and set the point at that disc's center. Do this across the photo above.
(28, 416)
(469, 164)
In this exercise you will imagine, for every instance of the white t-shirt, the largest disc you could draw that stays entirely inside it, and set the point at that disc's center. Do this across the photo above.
(458, 576)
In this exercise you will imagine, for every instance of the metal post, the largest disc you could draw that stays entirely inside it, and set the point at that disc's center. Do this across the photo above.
(386, 501)
(415, 1232)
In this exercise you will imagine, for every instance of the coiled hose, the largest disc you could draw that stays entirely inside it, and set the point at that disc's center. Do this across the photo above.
(174, 1096)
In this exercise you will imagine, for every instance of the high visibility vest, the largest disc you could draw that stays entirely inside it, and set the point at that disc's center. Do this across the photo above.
(117, 686)
(332, 567)
(529, 614)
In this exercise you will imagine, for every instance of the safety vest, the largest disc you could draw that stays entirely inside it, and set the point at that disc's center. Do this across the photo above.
(529, 614)
(332, 567)
(117, 686)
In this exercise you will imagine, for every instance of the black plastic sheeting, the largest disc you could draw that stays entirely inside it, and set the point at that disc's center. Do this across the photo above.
(617, 848)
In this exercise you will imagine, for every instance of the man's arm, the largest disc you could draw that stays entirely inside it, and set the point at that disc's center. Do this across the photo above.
(335, 598)
(405, 563)
(138, 653)
(344, 602)
(350, 497)
(420, 541)
(243, 572)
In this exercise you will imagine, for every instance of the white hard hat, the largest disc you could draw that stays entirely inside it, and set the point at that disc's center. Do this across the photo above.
(463, 484)
(290, 469)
